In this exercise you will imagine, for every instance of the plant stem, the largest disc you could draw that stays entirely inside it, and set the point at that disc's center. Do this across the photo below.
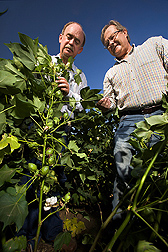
(7, 109)
(39, 217)
(146, 173)
(151, 227)
(107, 221)
(119, 231)
(41, 198)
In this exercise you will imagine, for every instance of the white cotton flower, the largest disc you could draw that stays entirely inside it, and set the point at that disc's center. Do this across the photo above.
(53, 200)
(46, 208)
(48, 200)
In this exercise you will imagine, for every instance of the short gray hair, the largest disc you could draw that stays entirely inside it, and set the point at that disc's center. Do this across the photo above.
(117, 25)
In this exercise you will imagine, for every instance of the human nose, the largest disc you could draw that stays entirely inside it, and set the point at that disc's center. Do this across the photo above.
(71, 41)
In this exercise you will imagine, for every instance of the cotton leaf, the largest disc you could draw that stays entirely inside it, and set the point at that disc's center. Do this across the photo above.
(11, 140)
(27, 41)
(6, 174)
(158, 119)
(73, 146)
(144, 246)
(6, 79)
(66, 159)
(13, 70)
(25, 56)
(24, 107)
(13, 208)
(62, 238)
(15, 244)
(87, 93)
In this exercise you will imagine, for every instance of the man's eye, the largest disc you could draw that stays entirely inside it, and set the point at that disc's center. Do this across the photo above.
(77, 42)
(69, 37)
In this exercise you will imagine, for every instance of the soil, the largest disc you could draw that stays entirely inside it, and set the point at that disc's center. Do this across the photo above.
(92, 228)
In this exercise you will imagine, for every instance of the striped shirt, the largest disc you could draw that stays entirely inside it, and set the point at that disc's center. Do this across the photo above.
(141, 78)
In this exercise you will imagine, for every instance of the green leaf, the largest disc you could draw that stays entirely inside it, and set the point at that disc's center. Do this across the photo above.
(39, 104)
(2, 118)
(77, 79)
(13, 208)
(6, 79)
(82, 155)
(62, 238)
(26, 56)
(11, 140)
(24, 107)
(13, 70)
(16, 244)
(77, 76)
(66, 159)
(1, 13)
(82, 176)
(6, 174)
(42, 55)
(157, 119)
(73, 146)
(28, 42)
(86, 93)
(93, 177)
(144, 246)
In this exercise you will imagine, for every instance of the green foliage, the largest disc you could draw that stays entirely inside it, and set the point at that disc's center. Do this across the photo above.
(144, 246)
(15, 244)
(32, 127)
(62, 238)
(13, 208)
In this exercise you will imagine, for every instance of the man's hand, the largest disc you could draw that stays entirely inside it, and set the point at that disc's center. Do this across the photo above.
(104, 104)
(63, 85)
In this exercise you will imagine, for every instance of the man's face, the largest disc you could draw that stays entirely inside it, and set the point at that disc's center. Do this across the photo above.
(116, 41)
(71, 41)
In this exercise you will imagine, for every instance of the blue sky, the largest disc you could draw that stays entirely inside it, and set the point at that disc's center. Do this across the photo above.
(45, 19)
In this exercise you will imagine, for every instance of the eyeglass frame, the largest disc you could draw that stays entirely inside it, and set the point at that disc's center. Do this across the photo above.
(112, 37)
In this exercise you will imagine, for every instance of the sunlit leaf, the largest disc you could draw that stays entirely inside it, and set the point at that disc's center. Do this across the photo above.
(13, 70)
(11, 140)
(144, 246)
(28, 42)
(157, 119)
(73, 146)
(26, 56)
(2, 118)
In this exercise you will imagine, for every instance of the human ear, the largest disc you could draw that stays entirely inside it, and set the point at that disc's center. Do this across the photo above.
(60, 38)
(125, 32)
(80, 50)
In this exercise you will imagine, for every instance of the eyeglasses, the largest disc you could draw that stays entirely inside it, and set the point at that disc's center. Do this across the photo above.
(111, 38)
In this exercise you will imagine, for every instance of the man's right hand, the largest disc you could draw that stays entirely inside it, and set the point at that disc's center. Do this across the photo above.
(104, 104)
